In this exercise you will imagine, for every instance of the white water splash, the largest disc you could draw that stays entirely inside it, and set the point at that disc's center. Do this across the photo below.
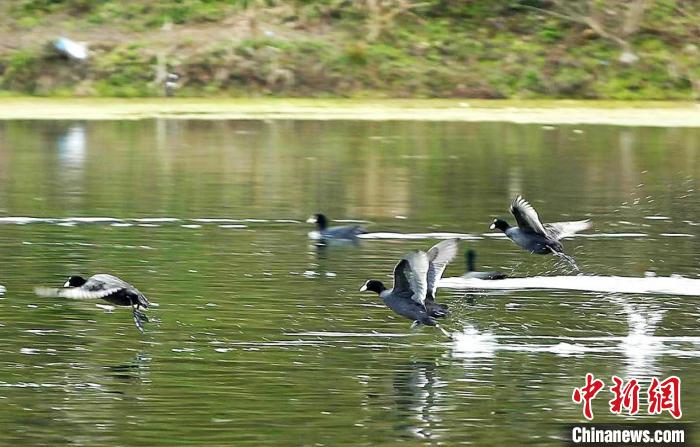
(344, 334)
(470, 343)
(387, 235)
(640, 346)
(608, 284)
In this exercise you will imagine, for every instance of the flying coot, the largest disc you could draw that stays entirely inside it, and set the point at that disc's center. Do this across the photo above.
(107, 287)
(472, 273)
(415, 284)
(536, 237)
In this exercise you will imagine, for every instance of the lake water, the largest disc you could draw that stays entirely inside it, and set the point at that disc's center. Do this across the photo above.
(257, 337)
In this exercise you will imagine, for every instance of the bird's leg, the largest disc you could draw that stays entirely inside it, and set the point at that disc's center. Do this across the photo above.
(415, 324)
(139, 317)
(566, 258)
(447, 334)
(135, 307)
(142, 316)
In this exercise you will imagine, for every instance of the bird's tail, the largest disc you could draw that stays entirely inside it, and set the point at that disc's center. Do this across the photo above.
(360, 230)
(437, 310)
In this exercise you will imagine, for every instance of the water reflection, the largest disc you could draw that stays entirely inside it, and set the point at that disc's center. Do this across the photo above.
(416, 389)
(72, 146)
(135, 371)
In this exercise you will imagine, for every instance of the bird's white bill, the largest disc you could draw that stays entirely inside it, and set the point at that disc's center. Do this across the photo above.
(67, 284)
(363, 288)
(493, 226)
(311, 219)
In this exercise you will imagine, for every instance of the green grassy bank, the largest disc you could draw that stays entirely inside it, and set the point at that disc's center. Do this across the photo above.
(522, 49)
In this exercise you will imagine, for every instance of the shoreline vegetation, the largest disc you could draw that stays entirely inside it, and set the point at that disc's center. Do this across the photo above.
(486, 49)
(563, 112)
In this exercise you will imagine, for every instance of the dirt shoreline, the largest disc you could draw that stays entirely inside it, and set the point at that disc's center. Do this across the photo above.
(654, 114)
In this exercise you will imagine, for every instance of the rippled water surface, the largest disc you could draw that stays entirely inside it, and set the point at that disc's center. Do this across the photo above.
(259, 337)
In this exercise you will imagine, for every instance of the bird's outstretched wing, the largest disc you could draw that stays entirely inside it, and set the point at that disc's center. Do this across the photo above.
(106, 281)
(560, 230)
(526, 216)
(410, 276)
(439, 256)
(75, 293)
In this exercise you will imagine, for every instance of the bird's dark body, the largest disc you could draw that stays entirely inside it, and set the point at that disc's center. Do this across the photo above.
(406, 307)
(533, 242)
(342, 233)
(123, 298)
(330, 234)
(126, 295)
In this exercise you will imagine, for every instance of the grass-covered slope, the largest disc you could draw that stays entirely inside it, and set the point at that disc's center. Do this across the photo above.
(634, 49)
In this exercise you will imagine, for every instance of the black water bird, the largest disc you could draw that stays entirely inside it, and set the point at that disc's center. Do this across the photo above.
(472, 273)
(326, 233)
(535, 237)
(102, 286)
(415, 284)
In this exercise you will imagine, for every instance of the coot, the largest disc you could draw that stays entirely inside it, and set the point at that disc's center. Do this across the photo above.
(107, 287)
(472, 273)
(344, 233)
(415, 284)
(536, 237)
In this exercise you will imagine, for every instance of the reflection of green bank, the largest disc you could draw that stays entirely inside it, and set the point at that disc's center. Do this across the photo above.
(648, 113)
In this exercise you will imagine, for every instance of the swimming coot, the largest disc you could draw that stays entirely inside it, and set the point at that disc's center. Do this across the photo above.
(107, 287)
(415, 285)
(345, 233)
(472, 273)
(536, 237)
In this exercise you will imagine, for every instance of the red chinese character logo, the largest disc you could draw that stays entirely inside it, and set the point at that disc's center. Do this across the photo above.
(587, 393)
(626, 397)
(665, 396)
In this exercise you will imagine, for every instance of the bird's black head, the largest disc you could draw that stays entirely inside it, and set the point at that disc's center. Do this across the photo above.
(500, 224)
(320, 220)
(471, 256)
(75, 281)
(374, 286)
